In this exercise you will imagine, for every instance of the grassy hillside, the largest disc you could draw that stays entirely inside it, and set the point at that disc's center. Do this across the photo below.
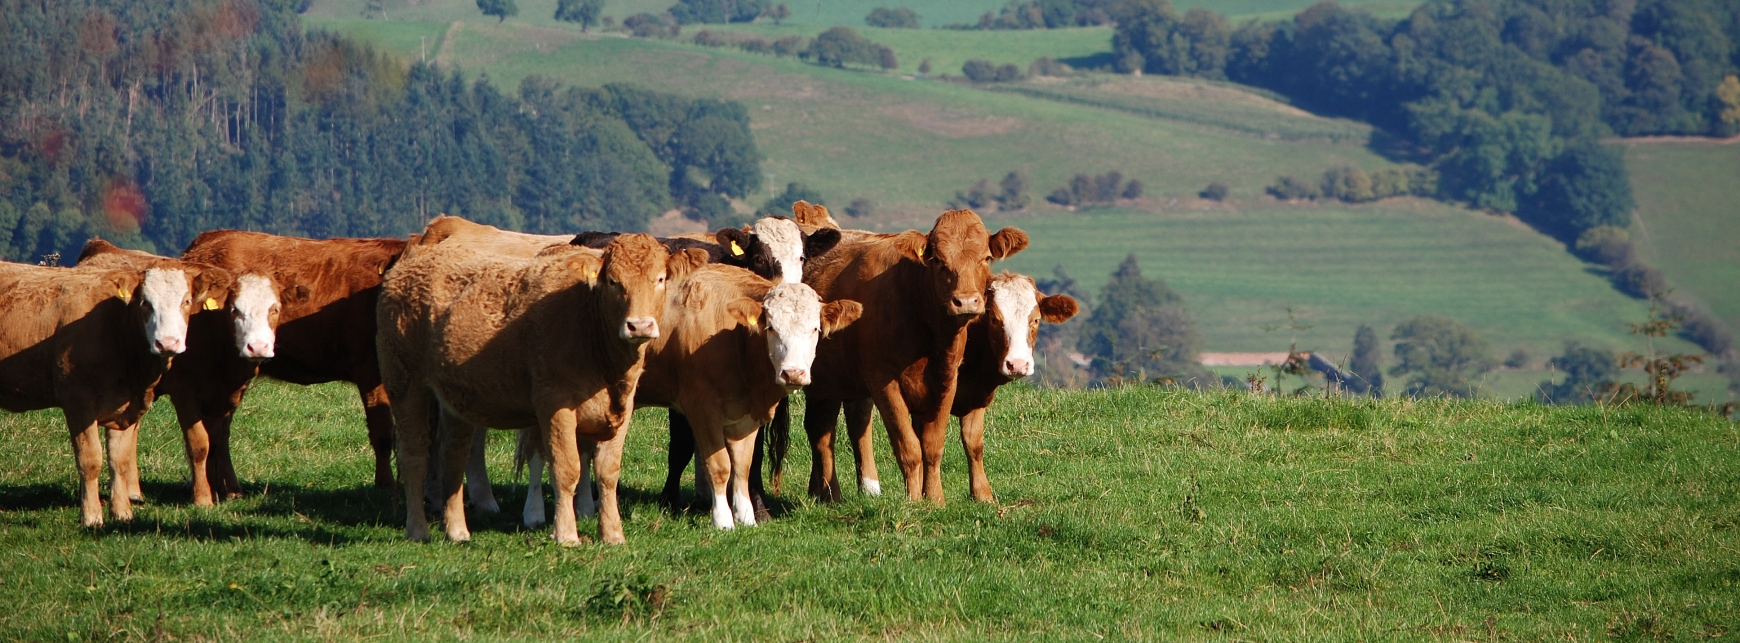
(1687, 222)
(1125, 514)
(909, 145)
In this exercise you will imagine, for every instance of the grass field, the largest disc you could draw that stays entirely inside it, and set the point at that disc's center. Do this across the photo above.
(910, 145)
(1687, 222)
(1126, 514)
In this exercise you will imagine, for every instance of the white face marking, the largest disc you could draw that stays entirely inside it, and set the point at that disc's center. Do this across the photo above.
(786, 242)
(256, 301)
(794, 321)
(1015, 300)
(166, 292)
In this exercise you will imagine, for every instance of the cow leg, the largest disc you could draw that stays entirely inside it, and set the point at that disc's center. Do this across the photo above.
(863, 449)
(742, 450)
(456, 439)
(710, 447)
(477, 487)
(585, 501)
(757, 494)
(123, 459)
(379, 416)
(973, 438)
(897, 420)
(412, 429)
(820, 416)
(682, 450)
(933, 427)
(564, 455)
(87, 445)
(532, 516)
(607, 463)
(221, 469)
(196, 442)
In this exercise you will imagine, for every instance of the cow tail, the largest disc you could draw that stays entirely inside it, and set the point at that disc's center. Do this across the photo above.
(522, 451)
(779, 439)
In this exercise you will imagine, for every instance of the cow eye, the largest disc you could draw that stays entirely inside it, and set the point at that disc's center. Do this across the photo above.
(987, 258)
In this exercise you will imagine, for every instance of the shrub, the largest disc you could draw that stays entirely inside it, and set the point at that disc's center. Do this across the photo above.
(1365, 363)
(707, 38)
(1439, 356)
(1700, 327)
(717, 11)
(780, 204)
(1606, 245)
(840, 45)
(1007, 73)
(1518, 358)
(860, 208)
(1013, 195)
(975, 198)
(1588, 372)
(1348, 184)
(979, 71)
(756, 46)
(790, 46)
(1133, 189)
(885, 58)
(924, 67)
(1640, 280)
(1288, 188)
(1215, 191)
(1105, 188)
(896, 18)
(646, 25)
(1046, 66)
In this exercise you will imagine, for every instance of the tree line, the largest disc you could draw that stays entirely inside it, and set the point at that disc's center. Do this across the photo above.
(147, 123)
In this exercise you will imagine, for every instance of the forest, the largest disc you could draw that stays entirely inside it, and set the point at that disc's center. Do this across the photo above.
(147, 123)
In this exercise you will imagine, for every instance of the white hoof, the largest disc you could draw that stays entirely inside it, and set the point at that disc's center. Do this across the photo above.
(870, 487)
(721, 512)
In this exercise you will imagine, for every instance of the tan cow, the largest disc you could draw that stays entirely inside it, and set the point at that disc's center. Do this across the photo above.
(1000, 350)
(924, 289)
(736, 345)
(93, 341)
(554, 343)
(230, 334)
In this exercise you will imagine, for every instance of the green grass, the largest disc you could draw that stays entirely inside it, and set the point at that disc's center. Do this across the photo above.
(1686, 221)
(1126, 514)
(1257, 117)
(948, 49)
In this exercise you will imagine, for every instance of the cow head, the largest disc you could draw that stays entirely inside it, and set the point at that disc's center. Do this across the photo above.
(775, 248)
(167, 296)
(811, 217)
(793, 318)
(632, 280)
(255, 304)
(1015, 312)
(957, 255)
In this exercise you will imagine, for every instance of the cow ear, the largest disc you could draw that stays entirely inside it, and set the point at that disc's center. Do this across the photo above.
(683, 263)
(839, 314)
(818, 243)
(587, 266)
(1007, 242)
(122, 285)
(94, 247)
(912, 244)
(212, 283)
(296, 294)
(734, 241)
(812, 216)
(1057, 309)
(592, 239)
(746, 311)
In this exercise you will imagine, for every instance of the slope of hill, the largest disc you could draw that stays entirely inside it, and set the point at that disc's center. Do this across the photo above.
(1687, 221)
(909, 145)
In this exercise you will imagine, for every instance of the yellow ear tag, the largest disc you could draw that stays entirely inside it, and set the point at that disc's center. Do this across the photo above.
(754, 323)
(921, 252)
(123, 294)
(736, 250)
(212, 304)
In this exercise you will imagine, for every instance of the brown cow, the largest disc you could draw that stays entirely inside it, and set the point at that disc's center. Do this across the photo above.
(226, 339)
(93, 341)
(924, 291)
(554, 344)
(326, 333)
(1000, 350)
(735, 345)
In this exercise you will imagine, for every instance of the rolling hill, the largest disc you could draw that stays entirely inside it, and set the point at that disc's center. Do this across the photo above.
(909, 144)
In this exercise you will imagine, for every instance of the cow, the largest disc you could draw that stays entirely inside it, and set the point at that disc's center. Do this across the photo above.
(93, 341)
(736, 346)
(925, 290)
(555, 343)
(227, 337)
(325, 333)
(1000, 350)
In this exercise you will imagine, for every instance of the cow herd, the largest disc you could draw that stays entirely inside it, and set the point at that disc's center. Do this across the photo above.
(466, 328)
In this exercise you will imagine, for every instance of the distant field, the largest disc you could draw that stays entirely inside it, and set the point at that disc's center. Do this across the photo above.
(1126, 514)
(1238, 269)
(1688, 217)
(947, 50)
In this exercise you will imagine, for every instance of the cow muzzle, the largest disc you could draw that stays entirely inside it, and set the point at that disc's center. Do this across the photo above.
(637, 330)
(1017, 368)
(168, 346)
(794, 378)
(967, 305)
(257, 350)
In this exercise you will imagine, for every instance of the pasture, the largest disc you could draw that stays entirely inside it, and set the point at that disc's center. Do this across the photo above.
(1684, 224)
(1132, 513)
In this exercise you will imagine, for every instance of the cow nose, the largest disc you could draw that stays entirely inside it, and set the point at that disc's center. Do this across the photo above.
(969, 305)
(640, 329)
(795, 377)
(258, 349)
(167, 346)
(1017, 367)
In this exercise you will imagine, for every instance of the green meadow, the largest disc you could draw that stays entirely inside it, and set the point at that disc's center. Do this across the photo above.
(1134, 513)
(1687, 221)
